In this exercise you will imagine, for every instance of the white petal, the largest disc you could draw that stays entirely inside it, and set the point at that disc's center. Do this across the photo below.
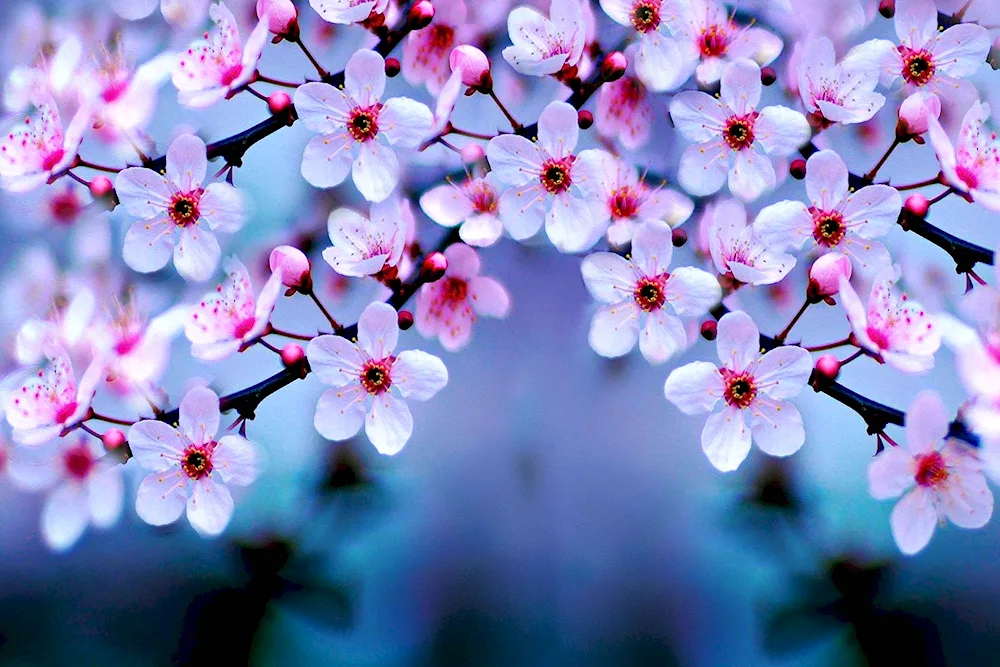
(186, 162)
(489, 297)
(826, 179)
(703, 167)
(873, 210)
(614, 329)
(781, 131)
(784, 371)
(418, 375)
(726, 439)
(777, 428)
(558, 129)
(375, 171)
(155, 445)
(694, 388)
(209, 507)
(196, 255)
(235, 459)
(222, 207)
(340, 412)
(405, 122)
(335, 360)
(698, 116)
(652, 247)
(161, 497)
(741, 86)
(378, 330)
(148, 244)
(327, 159)
(64, 516)
(364, 77)
(514, 159)
(926, 422)
(968, 501)
(446, 205)
(608, 277)
(570, 224)
(784, 225)
(751, 175)
(890, 473)
(389, 424)
(662, 337)
(521, 210)
(106, 496)
(691, 291)
(143, 192)
(738, 340)
(913, 520)
(321, 107)
(199, 415)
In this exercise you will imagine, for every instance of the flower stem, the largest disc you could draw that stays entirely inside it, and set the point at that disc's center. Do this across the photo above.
(99, 167)
(276, 82)
(287, 334)
(315, 63)
(919, 184)
(319, 304)
(467, 133)
(829, 346)
(110, 420)
(513, 122)
(784, 332)
(941, 196)
(870, 176)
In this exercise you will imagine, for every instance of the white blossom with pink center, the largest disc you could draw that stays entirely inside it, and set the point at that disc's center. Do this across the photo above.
(121, 96)
(176, 205)
(972, 164)
(352, 122)
(939, 478)
(36, 149)
(733, 137)
(892, 328)
(474, 204)
(427, 52)
(546, 185)
(835, 92)
(754, 387)
(365, 377)
(231, 317)
(657, 58)
(620, 199)
(220, 64)
(134, 349)
(51, 400)
(191, 468)
(447, 308)
(366, 246)
(736, 250)
(346, 12)
(540, 45)
(637, 291)
(837, 219)
(624, 111)
(709, 40)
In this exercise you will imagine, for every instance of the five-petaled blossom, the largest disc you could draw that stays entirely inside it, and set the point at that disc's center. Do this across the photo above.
(353, 121)
(366, 246)
(657, 58)
(941, 478)
(546, 182)
(540, 45)
(730, 129)
(892, 328)
(736, 251)
(230, 317)
(640, 288)
(838, 218)
(972, 164)
(752, 385)
(37, 148)
(368, 372)
(447, 308)
(835, 92)
(176, 204)
(474, 204)
(190, 467)
(51, 401)
(218, 65)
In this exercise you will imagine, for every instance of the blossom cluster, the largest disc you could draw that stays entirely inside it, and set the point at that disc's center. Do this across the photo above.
(152, 244)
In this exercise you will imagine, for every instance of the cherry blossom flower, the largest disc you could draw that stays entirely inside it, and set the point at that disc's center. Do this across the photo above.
(972, 164)
(51, 400)
(122, 98)
(542, 46)
(190, 468)
(474, 204)
(366, 373)
(37, 149)
(135, 349)
(426, 53)
(65, 328)
(351, 121)
(838, 218)
(625, 112)
(219, 65)
(730, 129)
(708, 36)
(545, 182)
(366, 246)
(620, 197)
(177, 202)
(754, 386)
(638, 289)
(657, 59)
(447, 308)
(346, 12)
(229, 318)
(893, 328)
(736, 250)
(838, 92)
(939, 478)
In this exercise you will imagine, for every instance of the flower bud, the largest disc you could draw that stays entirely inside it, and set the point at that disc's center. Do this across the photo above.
(584, 119)
(614, 66)
(887, 8)
(768, 75)
(472, 153)
(828, 367)
(916, 205)
(278, 102)
(678, 237)
(281, 16)
(433, 267)
(421, 15)
(101, 186)
(392, 67)
(914, 113)
(405, 320)
(797, 169)
(825, 275)
(473, 65)
(292, 355)
(293, 266)
(709, 329)
(113, 438)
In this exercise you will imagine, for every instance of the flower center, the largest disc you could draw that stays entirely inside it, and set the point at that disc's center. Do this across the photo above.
(624, 202)
(713, 41)
(441, 37)
(646, 15)
(555, 175)
(484, 198)
(78, 461)
(741, 390)
(244, 326)
(967, 176)
(375, 376)
(828, 228)
(197, 460)
(649, 292)
(455, 290)
(918, 66)
(65, 411)
(878, 336)
(363, 123)
(52, 158)
(738, 132)
(184, 208)
(931, 469)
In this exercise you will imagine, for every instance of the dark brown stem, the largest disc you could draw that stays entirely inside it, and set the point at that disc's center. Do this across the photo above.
(326, 313)
(513, 121)
(870, 176)
(784, 332)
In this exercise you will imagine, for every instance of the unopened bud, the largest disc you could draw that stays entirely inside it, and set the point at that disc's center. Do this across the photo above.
(917, 206)
(797, 169)
(887, 8)
(113, 438)
(584, 119)
(709, 329)
(473, 65)
(405, 320)
(101, 186)
(825, 275)
(472, 153)
(434, 267)
(828, 367)
(614, 66)
(282, 17)
(292, 355)
(293, 266)
(914, 115)
(768, 75)
(420, 16)
(679, 237)
(392, 67)
(278, 102)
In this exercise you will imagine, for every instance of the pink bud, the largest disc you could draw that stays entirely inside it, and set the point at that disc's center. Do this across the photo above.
(472, 153)
(101, 186)
(278, 101)
(281, 16)
(392, 67)
(584, 119)
(421, 15)
(113, 438)
(293, 266)
(473, 64)
(914, 113)
(405, 320)
(433, 267)
(709, 329)
(292, 355)
(614, 66)
(916, 205)
(825, 275)
(828, 367)
(797, 168)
